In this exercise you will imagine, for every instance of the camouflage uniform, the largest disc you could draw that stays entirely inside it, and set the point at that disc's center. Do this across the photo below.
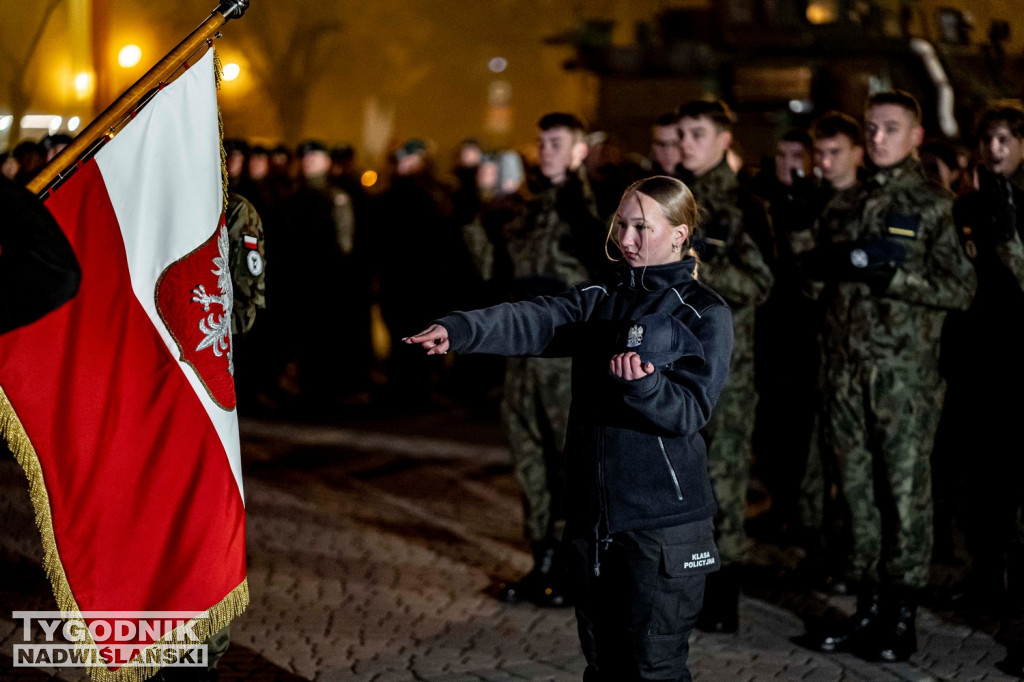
(247, 262)
(884, 389)
(821, 504)
(549, 245)
(732, 265)
(981, 357)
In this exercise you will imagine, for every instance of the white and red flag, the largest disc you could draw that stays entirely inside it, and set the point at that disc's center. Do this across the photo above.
(120, 405)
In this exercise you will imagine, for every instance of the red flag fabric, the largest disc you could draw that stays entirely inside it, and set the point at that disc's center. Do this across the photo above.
(120, 404)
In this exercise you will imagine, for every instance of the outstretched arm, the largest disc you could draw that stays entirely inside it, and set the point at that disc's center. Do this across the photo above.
(433, 339)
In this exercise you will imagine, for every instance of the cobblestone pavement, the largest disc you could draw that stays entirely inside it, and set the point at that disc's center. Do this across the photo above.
(374, 551)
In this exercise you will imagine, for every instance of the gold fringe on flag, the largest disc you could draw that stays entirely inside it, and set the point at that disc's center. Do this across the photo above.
(217, 616)
(218, 69)
(13, 432)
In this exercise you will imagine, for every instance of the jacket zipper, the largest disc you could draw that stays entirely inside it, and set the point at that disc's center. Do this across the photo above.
(671, 471)
(602, 519)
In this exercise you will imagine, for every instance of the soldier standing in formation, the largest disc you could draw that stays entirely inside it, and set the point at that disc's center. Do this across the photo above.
(554, 243)
(785, 346)
(895, 268)
(313, 249)
(839, 157)
(731, 264)
(982, 414)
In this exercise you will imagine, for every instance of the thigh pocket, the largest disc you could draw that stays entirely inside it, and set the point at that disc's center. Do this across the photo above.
(680, 561)
(680, 588)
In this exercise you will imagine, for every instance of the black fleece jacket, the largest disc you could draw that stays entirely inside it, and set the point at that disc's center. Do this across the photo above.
(636, 459)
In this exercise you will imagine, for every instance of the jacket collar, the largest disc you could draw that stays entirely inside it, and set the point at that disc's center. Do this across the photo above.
(906, 172)
(655, 277)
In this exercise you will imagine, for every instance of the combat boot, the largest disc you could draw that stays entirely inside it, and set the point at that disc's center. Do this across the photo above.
(1011, 630)
(852, 633)
(545, 584)
(721, 610)
(1014, 607)
(897, 637)
(554, 591)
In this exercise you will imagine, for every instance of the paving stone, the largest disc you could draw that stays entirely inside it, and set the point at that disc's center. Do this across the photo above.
(373, 556)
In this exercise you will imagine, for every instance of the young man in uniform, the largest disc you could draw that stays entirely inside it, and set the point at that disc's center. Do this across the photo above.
(983, 360)
(786, 340)
(552, 245)
(838, 159)
(666, 153)
(731, 264)
(894, 268)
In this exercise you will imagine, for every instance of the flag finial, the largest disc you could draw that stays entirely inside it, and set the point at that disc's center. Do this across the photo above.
(232, 9)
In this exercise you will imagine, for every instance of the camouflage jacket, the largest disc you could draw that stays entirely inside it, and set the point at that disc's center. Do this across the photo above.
(730, 261)
(245, 236)
(557, 240)
(990, 222)
(900, 325)
(837, 212)
(1018, 177)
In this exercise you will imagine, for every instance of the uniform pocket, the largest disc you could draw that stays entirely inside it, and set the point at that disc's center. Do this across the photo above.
(679, 591)
(680, 561)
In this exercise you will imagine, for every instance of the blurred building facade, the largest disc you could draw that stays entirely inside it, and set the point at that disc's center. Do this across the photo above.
(782, 63)
(373, 73)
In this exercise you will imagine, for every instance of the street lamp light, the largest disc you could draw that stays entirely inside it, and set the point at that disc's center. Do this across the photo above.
(129, 56)
(83, 84)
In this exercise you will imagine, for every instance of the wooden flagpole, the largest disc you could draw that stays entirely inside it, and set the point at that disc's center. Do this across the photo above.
(122, 107)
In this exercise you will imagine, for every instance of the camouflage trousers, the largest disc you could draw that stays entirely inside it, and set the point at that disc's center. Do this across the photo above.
(535, 414)
(881, 423)
(728, 436)
(217, 645)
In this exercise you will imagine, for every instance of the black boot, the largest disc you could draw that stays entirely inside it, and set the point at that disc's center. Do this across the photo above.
(721, 610)
(1013, 664)
(545, 584)
(897, 637)
(1011, 630)
(851, 633)
(554, 590)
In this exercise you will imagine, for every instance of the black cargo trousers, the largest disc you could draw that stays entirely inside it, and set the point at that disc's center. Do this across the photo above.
(637, 596)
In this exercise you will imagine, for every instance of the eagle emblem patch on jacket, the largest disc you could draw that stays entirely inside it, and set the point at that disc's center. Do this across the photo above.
(635, 336)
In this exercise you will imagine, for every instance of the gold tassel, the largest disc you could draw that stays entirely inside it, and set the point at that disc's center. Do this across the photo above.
(218, 615)
(218, 67)
(223, 163)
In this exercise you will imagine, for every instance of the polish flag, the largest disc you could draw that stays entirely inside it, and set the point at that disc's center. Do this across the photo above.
(120, 405)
